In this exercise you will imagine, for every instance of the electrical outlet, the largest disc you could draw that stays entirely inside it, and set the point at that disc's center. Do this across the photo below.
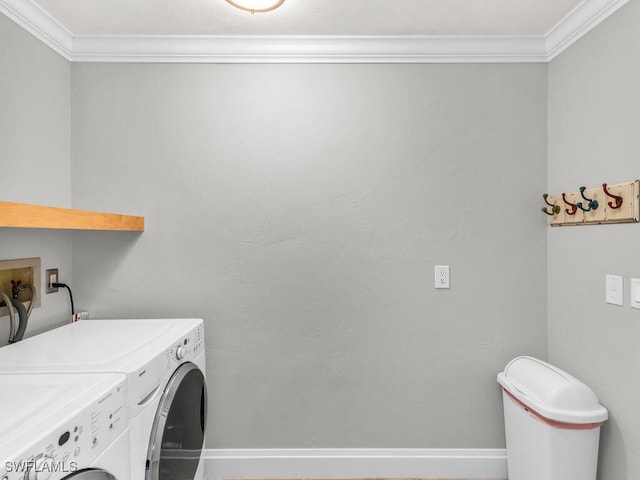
(51, 277)
(82, 315)
(442, 276)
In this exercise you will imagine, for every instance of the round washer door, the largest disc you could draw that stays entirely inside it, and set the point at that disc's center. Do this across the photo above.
(177, 436)
(90, 474)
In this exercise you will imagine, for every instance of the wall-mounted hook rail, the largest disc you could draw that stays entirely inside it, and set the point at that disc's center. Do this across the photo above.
(555, 209)
(591, 204)
(574, 207)
(617, 198)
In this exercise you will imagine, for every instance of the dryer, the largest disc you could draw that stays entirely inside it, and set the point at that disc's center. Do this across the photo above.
(164, 362)
(64, 426)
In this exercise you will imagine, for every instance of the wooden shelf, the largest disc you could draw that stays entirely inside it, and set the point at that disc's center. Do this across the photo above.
(21, 215)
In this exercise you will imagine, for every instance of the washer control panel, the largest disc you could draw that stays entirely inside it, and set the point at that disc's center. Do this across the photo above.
(81, 435)
(185, 349)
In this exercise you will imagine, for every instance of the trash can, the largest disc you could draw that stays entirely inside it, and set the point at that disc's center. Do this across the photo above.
(552, 422)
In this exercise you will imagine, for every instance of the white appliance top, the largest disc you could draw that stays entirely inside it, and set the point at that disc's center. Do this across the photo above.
(29, 399)
(53, 415)
(94, 346)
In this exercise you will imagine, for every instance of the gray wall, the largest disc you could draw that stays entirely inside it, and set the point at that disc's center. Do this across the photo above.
(35, 157)
(300, 209)
(593, 123)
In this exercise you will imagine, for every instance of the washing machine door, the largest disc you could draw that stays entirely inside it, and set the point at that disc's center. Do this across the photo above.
(177, 437)
(90, 474)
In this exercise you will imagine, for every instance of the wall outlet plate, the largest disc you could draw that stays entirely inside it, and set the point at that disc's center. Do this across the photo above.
(51, 276)
(442, 276)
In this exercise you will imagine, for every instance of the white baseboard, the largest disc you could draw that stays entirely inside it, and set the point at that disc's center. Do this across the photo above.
(355, 463)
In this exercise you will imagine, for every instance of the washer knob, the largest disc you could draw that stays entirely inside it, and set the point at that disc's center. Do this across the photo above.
(39, 471)
(180, 352)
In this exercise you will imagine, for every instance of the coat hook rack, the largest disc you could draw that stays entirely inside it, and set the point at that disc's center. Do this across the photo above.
(590, 206)
(617, 198)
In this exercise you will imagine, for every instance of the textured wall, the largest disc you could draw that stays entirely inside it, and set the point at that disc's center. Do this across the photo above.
(300, 210)
(35, 156)
(593, 138)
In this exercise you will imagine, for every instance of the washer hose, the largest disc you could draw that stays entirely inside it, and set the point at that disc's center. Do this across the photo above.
(12, 315)
(34, 295)
(17, 334)
(23, 316)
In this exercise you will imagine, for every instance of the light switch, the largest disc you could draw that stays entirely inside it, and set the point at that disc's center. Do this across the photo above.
(614, 290)
(634, 291)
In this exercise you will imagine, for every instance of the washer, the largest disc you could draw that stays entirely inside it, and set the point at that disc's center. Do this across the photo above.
(64, 426)
(164, 363)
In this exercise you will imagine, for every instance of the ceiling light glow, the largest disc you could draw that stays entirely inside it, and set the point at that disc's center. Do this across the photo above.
(256, 6)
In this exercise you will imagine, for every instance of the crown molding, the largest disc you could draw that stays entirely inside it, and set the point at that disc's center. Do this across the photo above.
(40, 24)
(309, 48)
(577, 23)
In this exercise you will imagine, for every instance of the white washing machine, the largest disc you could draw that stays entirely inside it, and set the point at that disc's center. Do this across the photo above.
(64, 426)
(164, 362)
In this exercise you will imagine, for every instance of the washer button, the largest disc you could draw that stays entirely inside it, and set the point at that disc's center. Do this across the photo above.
(64, 438)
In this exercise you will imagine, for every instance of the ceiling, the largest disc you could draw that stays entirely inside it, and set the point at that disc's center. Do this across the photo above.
(310, 17)
(335, 31)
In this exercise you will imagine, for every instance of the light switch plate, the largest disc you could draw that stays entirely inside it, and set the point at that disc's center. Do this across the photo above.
(614, 290)
(634, 293)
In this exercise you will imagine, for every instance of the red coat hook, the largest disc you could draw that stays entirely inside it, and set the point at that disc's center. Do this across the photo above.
(574, 207)
(616, 197)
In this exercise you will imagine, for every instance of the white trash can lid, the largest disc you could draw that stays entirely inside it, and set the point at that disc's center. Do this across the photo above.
(551, 392)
